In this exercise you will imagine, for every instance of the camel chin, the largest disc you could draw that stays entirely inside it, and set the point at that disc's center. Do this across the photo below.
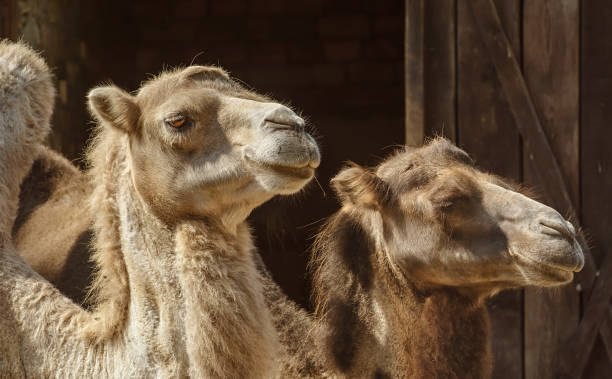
(554, 255)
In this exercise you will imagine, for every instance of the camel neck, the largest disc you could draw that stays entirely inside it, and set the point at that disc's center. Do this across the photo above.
(376, 321)
(438, 326)
(195, 296)
(155, 310)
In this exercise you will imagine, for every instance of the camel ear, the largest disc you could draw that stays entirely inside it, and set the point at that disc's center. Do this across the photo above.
(360, 187)
(113, 105)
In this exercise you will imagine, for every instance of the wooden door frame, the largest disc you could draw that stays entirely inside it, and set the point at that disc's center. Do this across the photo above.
(573, 356)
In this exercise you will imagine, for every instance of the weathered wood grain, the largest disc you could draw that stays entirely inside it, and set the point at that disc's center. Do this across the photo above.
(605, 332)
(486, 125)
(550, 69)
(596, 156)
(7, 19)
(550, 178)
(439, 68)
(598, 366)
(534, 138)
(413, 55)
(488, 132)
(573, 356)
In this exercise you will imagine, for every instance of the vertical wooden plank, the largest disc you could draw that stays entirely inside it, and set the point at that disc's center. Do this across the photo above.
(595, 132)
(488, 132)
(550, 65)
(605, 333)
(439, 71)
(413, 50)
(7, 19)
(486, 125)
(596, 118)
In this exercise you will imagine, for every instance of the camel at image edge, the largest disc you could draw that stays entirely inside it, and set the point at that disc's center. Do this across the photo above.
(176, 290)
(454, 236)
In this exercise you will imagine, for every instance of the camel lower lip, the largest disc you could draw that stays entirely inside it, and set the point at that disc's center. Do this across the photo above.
(302, 172)
(573, 267)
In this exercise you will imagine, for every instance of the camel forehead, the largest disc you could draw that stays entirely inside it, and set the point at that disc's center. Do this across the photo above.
(418, 167)
(437, 154)
(181, 81)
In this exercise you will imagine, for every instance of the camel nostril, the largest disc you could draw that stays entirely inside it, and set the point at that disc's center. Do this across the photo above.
(284, 125)
(558, 228)
(274, 125)
(284, 118)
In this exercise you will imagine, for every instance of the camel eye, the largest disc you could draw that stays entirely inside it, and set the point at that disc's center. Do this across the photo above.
(178, 122)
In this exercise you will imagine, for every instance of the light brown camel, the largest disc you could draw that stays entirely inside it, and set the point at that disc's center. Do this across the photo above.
(174, 172)
(402, 270)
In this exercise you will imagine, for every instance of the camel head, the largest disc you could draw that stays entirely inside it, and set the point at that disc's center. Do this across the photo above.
(442, 222)
(199, 144)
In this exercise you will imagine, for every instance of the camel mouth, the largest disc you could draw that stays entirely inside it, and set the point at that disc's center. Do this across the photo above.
(553, 275)
(555, 248)
(305, 172)
(302, 172)
(573, 262)
(553, 269)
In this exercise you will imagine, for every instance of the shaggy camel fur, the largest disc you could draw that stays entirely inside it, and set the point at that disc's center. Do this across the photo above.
(174, 170)
(402, 270)
(27, 98)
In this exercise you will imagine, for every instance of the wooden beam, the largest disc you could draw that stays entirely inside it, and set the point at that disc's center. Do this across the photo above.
(7, 19)
(485, 120)
(413, 50)
(439, 68)
(574, 356)
(596, 156)
(605, 332)
(551, 49)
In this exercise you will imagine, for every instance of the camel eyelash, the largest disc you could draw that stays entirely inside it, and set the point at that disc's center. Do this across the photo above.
(178, 122)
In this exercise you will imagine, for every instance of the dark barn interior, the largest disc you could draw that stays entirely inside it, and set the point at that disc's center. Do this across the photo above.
(492, 75)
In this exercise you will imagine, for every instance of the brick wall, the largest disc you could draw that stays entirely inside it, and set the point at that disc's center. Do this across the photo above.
(340, 63)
